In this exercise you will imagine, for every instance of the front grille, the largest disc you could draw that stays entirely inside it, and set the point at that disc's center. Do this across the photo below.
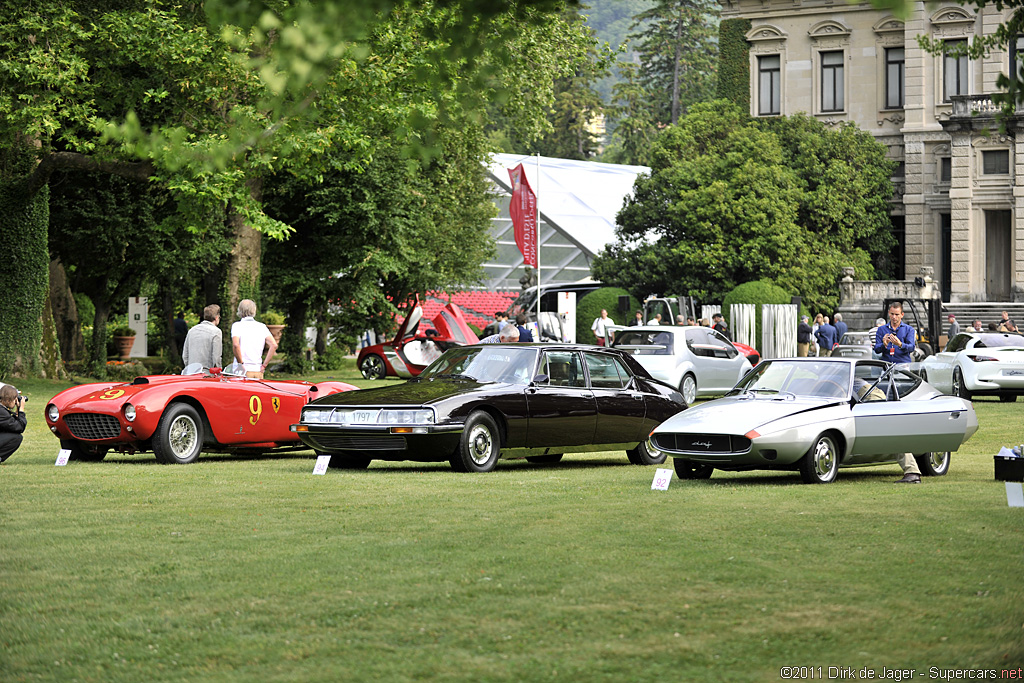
(361, 443)
(90, 426)
(701, 443)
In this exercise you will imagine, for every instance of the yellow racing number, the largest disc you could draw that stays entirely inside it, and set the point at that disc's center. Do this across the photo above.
(256, 408)
(112, 393)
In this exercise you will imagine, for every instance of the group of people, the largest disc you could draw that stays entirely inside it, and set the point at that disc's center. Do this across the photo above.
(1004, 324)
(503, 330)
(819, 339)
(249, 337)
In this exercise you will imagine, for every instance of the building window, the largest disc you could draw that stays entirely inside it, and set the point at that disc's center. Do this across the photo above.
(954, 69)
(769, 70)
(995, 162)
(1016, 57)
(945, 169)
(894, 70)
(831, 81)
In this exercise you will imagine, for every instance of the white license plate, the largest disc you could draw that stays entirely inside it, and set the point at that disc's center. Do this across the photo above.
(364, 416)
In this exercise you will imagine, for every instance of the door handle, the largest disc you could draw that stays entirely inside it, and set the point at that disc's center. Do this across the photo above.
(638, 397)
(587, 395)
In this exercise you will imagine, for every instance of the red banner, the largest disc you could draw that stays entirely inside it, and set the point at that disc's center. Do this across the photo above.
(523, 210)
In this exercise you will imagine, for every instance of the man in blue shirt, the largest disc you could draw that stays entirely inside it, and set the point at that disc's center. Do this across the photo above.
(841, 328)
(826, 336)
(895, 341)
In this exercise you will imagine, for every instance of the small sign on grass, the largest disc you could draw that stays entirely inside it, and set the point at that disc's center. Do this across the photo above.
(661, 479)
(63, 455)
(322, 461)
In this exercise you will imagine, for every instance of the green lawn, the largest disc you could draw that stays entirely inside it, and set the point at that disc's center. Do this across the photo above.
(256, 570)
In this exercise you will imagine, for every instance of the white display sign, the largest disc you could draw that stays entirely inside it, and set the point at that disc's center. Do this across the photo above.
(322, 461)
(567, 312)
(63, 455)
(661, 479)
(1015, 494)
(138, 314)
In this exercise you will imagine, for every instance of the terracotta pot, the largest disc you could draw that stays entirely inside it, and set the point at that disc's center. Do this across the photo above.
(275, 332)
(124, 346)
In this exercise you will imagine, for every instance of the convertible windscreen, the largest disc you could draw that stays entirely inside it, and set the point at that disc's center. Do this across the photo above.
(821, 379)
(485, 364)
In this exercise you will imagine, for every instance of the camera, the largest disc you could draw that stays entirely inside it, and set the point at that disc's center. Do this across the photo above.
(22, 397)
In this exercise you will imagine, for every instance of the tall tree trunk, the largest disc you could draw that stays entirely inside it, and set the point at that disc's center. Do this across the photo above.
(65, 314)
(242, 280)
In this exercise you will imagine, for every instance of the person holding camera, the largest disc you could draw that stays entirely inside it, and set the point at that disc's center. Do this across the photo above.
(12, 420)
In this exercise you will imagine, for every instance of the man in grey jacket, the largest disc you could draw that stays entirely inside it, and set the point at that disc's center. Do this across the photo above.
(204, 343)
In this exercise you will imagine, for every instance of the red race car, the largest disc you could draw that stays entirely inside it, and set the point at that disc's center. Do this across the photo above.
(409, 353)
(180, 416)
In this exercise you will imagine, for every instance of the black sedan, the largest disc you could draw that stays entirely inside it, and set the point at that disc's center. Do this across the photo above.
(476, 404)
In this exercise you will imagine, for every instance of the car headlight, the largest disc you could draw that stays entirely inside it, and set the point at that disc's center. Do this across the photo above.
(52, 413)
(407, 416)
(315, 415)
(129, 412)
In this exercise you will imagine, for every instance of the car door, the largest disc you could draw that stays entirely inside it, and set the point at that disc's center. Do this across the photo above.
(714, 359)
(939, 367)
(884, 424)
(620, 410)
(562, 410)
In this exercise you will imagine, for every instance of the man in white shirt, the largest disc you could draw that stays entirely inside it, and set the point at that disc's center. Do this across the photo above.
(599, 326)
(248, 337)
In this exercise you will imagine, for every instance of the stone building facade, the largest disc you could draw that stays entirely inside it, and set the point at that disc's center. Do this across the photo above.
(958, 208)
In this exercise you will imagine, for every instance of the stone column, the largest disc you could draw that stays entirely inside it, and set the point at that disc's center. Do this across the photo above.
(961, 195)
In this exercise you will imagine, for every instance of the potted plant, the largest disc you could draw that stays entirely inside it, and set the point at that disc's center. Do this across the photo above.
(275, 323)
(124, 339)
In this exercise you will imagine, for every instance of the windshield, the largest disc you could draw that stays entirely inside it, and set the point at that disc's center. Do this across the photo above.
(644, 342)
(485, 364)
(822, 379)
(993, 341)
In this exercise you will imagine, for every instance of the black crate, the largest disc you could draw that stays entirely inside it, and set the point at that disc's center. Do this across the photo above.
(1009, 469)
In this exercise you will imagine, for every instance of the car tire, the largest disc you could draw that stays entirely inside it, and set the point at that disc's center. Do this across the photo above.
(372, 367)
(958, 385)
(84, 452)
(480, 446)
(688, 388)
(644, 454)
(549, 459)
(179, 435)
(1007, 398)
(926, 349)
(820, 463)
(348, 461)
(934, 464)
(687, 469)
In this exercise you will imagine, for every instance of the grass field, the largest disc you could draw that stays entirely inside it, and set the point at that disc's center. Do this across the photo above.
(256, 570)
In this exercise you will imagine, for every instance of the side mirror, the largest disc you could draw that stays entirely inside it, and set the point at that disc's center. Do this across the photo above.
(540, 379)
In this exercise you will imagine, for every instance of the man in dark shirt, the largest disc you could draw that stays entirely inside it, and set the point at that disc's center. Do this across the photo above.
(895, 341)
(841, 328)
(12, 420)
(524, 334)
(826, 336)
(719, 325)
(803, 337)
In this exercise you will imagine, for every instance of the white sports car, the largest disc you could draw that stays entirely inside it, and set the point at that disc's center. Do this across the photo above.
(816, 415)
(978, 363)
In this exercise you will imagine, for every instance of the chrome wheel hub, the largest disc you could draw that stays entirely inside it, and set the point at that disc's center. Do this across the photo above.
(182, 436)
(480, 444)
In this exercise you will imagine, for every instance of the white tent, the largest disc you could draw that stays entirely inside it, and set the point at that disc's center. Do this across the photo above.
(578, 202)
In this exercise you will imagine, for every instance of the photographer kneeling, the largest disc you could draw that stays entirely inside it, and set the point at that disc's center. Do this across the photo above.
(12, 420)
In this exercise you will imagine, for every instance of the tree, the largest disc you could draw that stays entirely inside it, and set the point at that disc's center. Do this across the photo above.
(732, 199)
(678, 53)
(632, 116)
(209, 99)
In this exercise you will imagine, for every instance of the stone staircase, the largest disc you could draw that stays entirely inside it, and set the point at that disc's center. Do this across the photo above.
(987, 312)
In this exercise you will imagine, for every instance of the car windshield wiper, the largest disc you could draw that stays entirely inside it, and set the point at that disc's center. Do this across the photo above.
(456, 376)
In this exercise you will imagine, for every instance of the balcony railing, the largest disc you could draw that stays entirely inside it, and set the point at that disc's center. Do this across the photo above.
(974, 105)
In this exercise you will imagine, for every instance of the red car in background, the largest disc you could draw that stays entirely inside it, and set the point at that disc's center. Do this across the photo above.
(180, 416)
(409, 352)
